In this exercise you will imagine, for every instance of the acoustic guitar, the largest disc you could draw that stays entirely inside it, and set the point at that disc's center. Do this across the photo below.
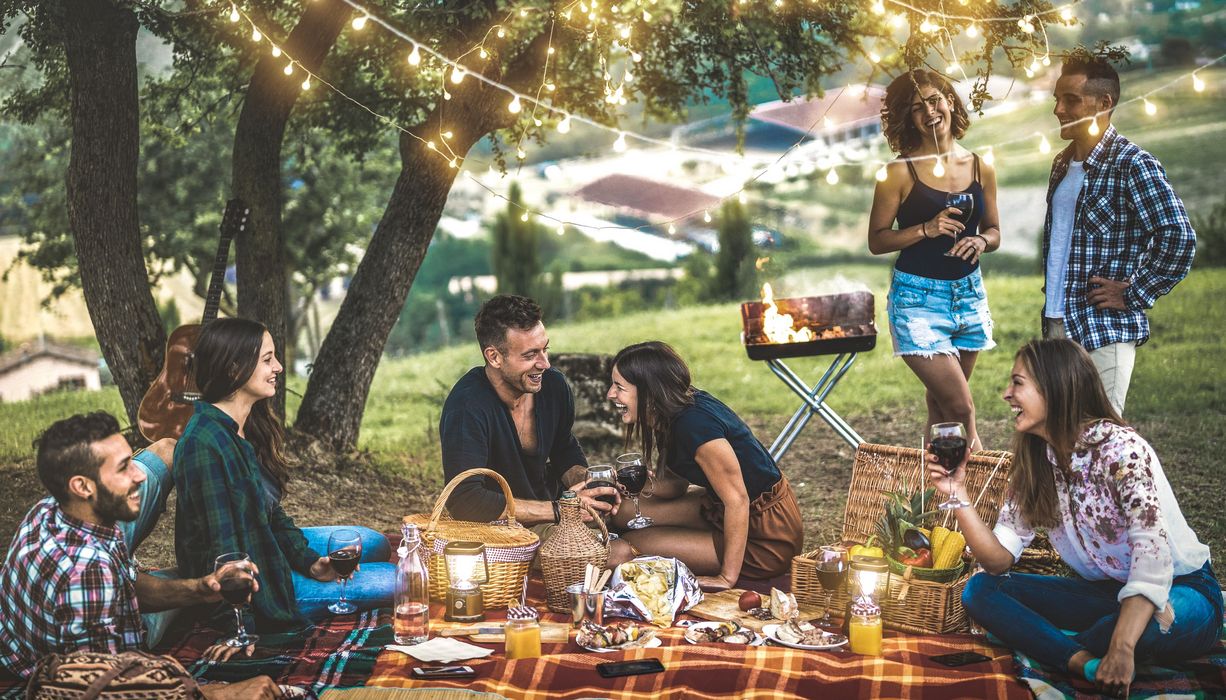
(167, 405)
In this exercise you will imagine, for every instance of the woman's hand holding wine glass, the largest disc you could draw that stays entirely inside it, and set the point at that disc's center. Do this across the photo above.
(344, 553)
(947, 456)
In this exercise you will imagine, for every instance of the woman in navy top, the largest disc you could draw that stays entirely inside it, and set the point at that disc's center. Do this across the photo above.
(937, 306)
(718, 500)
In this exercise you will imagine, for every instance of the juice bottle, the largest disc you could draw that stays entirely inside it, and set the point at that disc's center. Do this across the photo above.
(523, 632)
(864, 629)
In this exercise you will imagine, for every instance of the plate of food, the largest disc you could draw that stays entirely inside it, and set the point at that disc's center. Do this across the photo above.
(802, 635)
(723, 633)
(617, 636)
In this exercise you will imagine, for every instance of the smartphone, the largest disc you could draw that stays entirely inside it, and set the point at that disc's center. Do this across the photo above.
(962, 658)
(444, 672)
(629, 668)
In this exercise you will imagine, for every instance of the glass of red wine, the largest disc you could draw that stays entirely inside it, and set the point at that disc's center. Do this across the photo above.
(599, 475)
(964, 202)
(632, 475)
(948, 443)
(831, 573)
(344, 552)
(236, 575)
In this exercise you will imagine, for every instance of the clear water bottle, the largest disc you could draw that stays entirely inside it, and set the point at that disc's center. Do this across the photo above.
(411, 623)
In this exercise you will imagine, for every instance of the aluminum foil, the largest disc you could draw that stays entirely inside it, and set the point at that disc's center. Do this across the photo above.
(681, 594)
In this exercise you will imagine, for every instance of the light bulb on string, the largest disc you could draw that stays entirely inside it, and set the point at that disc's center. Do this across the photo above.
(289, 68)
(536, 122)
(501, 33)
(483, 53)
(952, 68)
(672, 230)
(832, 177)
(1093, 128)
(706, 216)
(1197, 84)
(1150, 108)
(972, 30)
(989, 157)
(882, 174)
(454, 163)
(564, 125)
(234, 16)
(646, 16)
(743, 198)
(874, 57)
(1047, 60)
(561, 229)
(524, 216)
(276, 52)
(431, 146)
(457, 75)
(1066, 14)
(619, 146)
(359, 22)
(306, 84)
(415, 55)
(938, 169)
(878, 7)
(256, 35)
(446, 95)
(447, 135)
(515, 106)
(521, 154)
(1044, 146)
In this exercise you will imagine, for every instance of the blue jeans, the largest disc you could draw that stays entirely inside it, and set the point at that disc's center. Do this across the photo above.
(153, 493)
(930, 317)
(1028, 612)
(371, 587)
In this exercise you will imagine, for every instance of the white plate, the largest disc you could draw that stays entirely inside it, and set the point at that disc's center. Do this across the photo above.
(757, 640)
(650, 644)
(771, 630)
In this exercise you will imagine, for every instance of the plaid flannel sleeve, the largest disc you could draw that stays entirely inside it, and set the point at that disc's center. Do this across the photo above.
(87, 610)
(200, 469)
(1172, 242)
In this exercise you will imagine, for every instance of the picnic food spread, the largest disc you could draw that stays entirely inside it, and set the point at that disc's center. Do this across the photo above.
(618, 635)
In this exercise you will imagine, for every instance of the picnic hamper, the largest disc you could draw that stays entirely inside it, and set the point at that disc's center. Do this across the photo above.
(569, 550)
(509, 546)
(911, 604)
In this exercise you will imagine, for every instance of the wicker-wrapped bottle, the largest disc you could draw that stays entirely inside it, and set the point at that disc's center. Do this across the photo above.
(568, 550)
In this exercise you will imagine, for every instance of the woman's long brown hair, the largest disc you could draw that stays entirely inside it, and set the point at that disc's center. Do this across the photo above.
(663, 383)
(224, 359)
(896, 122)
(1068, 381)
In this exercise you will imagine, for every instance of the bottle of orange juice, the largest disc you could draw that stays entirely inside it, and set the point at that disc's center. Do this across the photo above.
(864, 630)
(523, 632)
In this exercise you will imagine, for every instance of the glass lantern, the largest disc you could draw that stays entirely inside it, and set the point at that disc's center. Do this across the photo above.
(464, 601)
(870, 578)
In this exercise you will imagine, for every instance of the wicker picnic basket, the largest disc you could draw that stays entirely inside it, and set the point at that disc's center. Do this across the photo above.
(509, 546)
(1040, 558)
(912, 604)
(569, 550)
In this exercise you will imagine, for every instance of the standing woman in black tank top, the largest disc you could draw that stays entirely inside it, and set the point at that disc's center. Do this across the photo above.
(938, 309)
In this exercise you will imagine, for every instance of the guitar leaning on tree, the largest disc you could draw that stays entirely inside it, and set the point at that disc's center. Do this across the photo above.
(167, 405)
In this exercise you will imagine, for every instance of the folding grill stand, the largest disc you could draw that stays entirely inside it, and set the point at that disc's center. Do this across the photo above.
(813, 401)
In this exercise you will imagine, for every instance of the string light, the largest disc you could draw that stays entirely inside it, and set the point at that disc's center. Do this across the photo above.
(972, 30)
(359, 22)
(1066, 14)
(878, 7)
(874, 57)
(276, 52)
(415, 56)
(524, 216)
(938, 169)
(1197, 84)
(1150, 108)
(256, 35)
(619, 145)
(234, 16)
(564, 125)
(289, 68)
(1044, 146)
(882, 174)
(515, 106)
(561, 229)
(832, 177)
(1094, 130)
(989, 157)
(306, 84)
(743, 198)
(457, 75)
(706, 216)
(672, 230)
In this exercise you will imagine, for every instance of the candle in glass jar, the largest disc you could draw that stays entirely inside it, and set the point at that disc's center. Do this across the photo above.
(523, 633)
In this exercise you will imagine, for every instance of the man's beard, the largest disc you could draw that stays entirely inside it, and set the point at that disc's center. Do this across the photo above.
(113, 507)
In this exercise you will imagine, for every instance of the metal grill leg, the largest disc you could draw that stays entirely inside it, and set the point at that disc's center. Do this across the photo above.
(813, 402)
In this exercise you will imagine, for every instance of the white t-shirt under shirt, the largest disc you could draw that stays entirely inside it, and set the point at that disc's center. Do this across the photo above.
(1063, 209)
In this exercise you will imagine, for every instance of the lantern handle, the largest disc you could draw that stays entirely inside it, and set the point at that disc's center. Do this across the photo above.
(440, 504)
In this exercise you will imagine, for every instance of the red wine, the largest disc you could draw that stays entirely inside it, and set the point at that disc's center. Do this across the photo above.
(236, 590)
(831, 580)
(950, 451)
(344, 561)
(611, 500)
(965, 204)
(632, 478)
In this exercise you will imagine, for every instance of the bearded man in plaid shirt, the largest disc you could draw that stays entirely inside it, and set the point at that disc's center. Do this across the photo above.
(69, 582)
(1116, 237)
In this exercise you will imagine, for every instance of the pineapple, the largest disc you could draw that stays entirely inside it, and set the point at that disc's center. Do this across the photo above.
(904, 512)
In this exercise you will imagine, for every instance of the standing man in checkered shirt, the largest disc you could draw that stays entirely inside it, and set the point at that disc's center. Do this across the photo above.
(69, 582)
(1116, 237)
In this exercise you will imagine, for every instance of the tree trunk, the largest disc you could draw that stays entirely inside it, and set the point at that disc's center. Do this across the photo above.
(263, 276)
(100, 47)
(331, 410)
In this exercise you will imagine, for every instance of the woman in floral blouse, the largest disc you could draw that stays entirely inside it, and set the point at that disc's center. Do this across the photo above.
(1146, 590)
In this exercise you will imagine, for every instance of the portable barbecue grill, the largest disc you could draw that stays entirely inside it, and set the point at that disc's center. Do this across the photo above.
(842, 325)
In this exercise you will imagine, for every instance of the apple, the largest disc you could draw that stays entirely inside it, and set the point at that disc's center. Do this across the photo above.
(749, 600)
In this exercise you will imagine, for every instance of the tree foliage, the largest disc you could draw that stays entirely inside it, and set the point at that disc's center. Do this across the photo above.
(515, 255)
(734, 263)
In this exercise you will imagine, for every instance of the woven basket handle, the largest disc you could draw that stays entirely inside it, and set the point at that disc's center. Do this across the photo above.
(441, 504)
(599, 521)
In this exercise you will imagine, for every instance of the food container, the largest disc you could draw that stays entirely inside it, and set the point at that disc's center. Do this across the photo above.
(523, 633)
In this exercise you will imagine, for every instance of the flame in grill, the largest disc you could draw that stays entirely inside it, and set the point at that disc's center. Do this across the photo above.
(777, 327)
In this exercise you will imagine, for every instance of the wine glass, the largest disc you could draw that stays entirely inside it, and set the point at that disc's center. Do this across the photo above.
(965, 203)
(344, 552)
(948, 443)
(600, 475)
(831, 573)
(632, 475)
(236, 575)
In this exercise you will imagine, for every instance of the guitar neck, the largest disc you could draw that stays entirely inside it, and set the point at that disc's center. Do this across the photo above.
(233, 221)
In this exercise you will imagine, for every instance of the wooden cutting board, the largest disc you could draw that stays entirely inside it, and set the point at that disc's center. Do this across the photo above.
(725, 605)
(551, 632)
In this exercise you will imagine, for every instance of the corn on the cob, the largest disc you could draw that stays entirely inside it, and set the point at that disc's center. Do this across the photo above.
(937, 537)
(951, 551)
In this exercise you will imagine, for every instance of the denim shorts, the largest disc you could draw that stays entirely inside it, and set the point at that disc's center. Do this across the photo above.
(931, 317)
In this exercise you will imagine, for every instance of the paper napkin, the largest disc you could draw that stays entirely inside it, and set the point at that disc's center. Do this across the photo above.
(443, 650)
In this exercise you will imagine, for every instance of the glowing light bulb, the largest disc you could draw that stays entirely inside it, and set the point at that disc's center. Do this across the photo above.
(483, 53)
(1197, 84)
(881, 174)
(625, 32)
(898, 21)
(972, 31)
(515, 106)
(1044, 146)
(521, 154)
(501, 33)
(874, 57)
(359, 22)
(536, 122)
(524, 216)
(306, 84)
(1150, 108)
(1047, 60)
(454, 162)
(646, 16)
(989, 157)
(628, 77)
(276, 52)
(1066, 14)
(415, 56)
(951, 68)
(561, 229)
(706, 216)
(938, 169)
(832, 177)
(927, 27)
(256, 35)
(619, 145)
(636, 56)
(446, 95)
(743, 198)
(447, 134)
(551, 51)
(878, 8)
(672, 230)
(431, 146)
(826, 122)
(564, 125)
(1094, 130)
(457, 75)
(234, 16)
(289, 68)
